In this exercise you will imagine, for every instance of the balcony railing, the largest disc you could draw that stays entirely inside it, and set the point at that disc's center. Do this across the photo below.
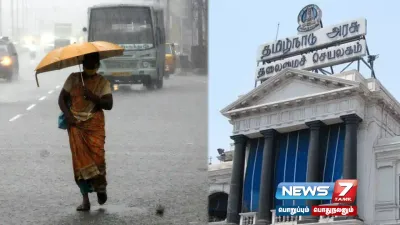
(284, 219)
(248, 218)
(294, 219)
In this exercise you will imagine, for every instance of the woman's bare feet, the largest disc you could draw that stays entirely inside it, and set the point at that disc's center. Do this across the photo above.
(85, 206)
(101, 198)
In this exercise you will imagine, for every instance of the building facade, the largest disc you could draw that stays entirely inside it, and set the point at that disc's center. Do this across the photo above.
(219, 176)
(301, 126)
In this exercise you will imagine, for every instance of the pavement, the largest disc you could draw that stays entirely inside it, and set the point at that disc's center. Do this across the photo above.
(156, 151)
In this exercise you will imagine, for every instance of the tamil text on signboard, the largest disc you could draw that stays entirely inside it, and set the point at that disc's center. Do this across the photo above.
(318, 59)
(324, 37)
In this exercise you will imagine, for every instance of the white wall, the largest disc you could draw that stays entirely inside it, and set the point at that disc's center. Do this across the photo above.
(214, 188)
(368, 133)
(379, 167)
(387, 180)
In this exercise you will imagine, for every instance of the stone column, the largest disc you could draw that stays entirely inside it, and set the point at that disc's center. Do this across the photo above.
(350, 146)
(236, 186)
(313, 159)
(267, 174)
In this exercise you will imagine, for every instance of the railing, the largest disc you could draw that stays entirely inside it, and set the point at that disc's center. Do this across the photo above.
(326, 219)
(284, 219)
(293, 219)
(248, 218)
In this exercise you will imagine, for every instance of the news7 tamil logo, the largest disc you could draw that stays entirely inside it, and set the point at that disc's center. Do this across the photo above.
(342, 191)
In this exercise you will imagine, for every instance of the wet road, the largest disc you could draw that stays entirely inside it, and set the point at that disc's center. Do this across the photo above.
(156, 150)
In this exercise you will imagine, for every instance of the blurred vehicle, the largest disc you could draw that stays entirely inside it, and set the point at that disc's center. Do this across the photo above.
(18, 46)
(183, 59)
(32, 51)
(9, 66)
(140, 30)
(170, 59)
(63, 33)
(32, 55)
(22, 48)
(58, 43)
(48, 47)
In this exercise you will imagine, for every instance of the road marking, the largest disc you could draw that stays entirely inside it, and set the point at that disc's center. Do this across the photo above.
(30, 107)
(42, 98)
(51, 91)
(58, 86)
(15, 117)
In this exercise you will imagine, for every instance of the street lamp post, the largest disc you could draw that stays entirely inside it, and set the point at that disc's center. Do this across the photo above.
(12, 18)
(23, 16)
(1, 17)
(17, 18)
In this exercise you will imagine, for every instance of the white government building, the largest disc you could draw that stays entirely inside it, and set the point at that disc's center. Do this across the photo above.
(302, 126)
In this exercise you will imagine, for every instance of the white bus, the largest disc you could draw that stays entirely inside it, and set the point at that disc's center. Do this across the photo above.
(140, 30)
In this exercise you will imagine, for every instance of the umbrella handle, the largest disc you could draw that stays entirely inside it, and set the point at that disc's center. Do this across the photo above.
(83, 83)
(79, 65)
(37, 81)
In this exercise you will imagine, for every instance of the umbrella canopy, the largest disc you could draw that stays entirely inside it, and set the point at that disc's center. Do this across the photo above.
(72, 55)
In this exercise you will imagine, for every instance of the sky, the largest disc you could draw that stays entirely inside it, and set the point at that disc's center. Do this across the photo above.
(237, 28)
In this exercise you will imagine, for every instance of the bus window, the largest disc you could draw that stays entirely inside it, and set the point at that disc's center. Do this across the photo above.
(130, 26)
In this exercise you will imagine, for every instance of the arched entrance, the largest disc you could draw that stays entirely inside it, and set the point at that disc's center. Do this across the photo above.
(217, 206)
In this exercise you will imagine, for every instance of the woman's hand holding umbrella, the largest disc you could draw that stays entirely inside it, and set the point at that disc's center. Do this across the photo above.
(105, 102)
(91, 96)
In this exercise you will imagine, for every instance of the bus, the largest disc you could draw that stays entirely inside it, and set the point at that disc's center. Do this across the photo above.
(139, 29)
(62, 33)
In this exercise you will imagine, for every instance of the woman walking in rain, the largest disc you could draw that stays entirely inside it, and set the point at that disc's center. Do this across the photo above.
(82, 100)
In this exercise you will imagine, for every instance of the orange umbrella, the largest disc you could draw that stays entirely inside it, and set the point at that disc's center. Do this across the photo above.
(72, 55)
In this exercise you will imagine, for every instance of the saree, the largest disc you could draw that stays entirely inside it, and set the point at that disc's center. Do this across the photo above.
(87, 137)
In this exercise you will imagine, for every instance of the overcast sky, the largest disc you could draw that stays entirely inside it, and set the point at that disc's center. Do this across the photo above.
(51, 11)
